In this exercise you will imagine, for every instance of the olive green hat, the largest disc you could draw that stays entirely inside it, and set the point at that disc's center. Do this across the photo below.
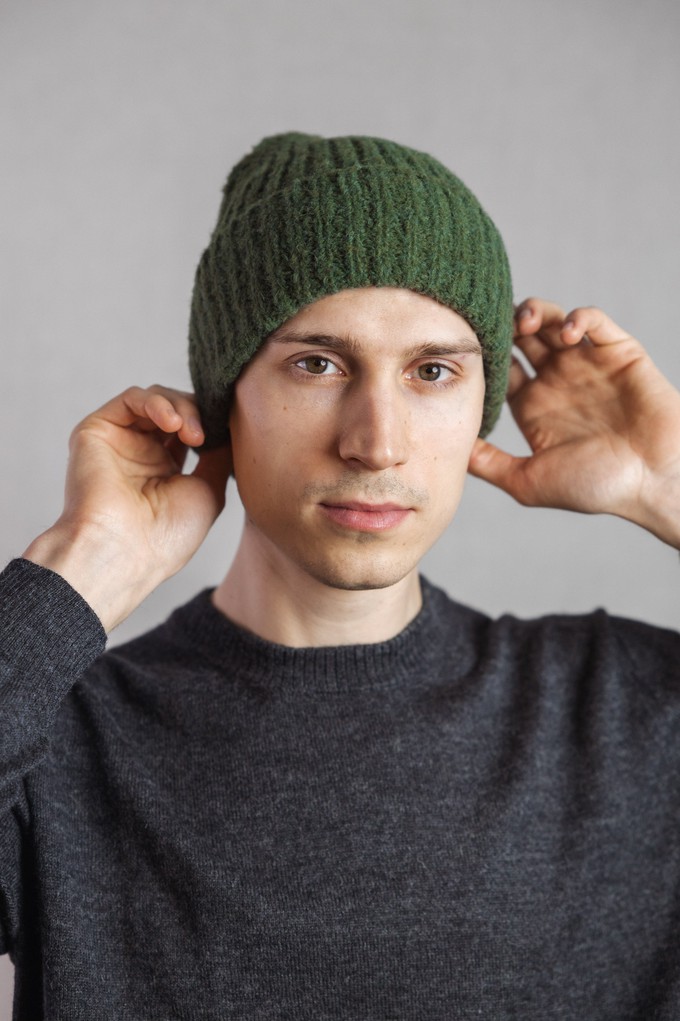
(304, 216)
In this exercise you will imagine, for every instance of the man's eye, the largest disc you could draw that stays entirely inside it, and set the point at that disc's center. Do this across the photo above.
(317, 366)
(433, 373)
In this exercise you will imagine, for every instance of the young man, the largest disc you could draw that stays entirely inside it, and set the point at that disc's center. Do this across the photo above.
(324, 789)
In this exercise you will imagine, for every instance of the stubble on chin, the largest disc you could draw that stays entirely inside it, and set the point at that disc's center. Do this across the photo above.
(369, 564)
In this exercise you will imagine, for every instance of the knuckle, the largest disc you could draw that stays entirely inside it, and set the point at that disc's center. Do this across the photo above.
(590, 311)
(73, 438)
(132, 393)
(79, 431)
(525, 303)
(170, 394)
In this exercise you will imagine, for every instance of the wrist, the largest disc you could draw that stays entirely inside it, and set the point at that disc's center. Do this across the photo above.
(107, 575)
(657, 509)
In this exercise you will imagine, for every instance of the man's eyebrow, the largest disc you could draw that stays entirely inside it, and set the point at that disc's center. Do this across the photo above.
(353, 345)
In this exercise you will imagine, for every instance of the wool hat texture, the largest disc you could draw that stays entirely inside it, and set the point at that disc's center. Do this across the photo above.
(303, 217)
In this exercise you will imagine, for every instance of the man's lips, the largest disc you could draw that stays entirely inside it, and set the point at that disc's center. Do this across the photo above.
(366, 517)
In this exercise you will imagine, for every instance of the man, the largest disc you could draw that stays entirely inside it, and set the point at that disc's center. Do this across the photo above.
(325, 790)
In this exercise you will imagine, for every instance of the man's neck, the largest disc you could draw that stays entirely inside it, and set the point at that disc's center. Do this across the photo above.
(278, 601)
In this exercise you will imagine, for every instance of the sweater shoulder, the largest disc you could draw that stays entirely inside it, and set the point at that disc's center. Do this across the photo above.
(570, 647)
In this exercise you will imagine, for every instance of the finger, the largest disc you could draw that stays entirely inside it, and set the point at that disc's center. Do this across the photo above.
(535, 349)
(592, 323)
(517, 378)
(157, 412)
(175, 411)
(536, 316)
(538, 326)
(497, 467)
(191, 432)
(170, 411)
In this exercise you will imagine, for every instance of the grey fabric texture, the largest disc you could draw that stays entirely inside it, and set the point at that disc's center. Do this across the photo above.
(476, 819)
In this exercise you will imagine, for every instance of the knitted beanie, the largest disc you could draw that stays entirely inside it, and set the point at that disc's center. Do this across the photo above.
(303, 217)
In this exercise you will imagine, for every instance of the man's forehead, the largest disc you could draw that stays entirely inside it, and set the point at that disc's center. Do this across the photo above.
(361, 318)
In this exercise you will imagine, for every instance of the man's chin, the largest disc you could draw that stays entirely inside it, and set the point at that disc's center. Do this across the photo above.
(359, 578)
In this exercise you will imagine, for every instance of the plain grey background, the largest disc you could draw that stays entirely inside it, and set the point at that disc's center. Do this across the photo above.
(120, 121)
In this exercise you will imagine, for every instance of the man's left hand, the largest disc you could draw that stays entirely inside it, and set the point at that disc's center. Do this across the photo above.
(602, 422)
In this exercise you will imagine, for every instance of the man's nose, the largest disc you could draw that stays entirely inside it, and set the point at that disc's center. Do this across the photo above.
(374, 428)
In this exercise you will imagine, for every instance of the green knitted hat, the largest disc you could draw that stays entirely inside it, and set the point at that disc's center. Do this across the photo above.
(303, 217)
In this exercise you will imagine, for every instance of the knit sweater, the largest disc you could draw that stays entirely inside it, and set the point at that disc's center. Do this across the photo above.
(475, 819)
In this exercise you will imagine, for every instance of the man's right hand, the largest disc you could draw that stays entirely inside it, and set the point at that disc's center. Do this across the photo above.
(131, 519)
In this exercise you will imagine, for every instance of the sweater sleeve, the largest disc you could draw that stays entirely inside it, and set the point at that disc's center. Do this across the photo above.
(49, 636)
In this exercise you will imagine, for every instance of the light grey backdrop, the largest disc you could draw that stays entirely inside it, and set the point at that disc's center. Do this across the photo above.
(120, 121)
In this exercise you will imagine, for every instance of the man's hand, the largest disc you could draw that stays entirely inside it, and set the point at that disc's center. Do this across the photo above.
(602, 422)
(131, 519)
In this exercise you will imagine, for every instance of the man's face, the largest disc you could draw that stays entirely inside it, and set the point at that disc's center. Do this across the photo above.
(351, 429)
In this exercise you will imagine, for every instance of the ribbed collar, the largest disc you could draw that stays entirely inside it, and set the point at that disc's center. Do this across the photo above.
(440, 637)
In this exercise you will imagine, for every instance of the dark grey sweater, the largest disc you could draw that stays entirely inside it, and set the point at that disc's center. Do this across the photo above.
(476, 819)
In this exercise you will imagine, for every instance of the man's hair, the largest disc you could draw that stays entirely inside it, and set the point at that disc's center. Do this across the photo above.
(303, 217)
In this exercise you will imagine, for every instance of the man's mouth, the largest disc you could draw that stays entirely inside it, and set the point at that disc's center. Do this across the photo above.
(366, 517)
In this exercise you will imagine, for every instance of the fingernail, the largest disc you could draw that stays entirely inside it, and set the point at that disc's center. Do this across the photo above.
(526, 313)
(569, 325)
(195, 426)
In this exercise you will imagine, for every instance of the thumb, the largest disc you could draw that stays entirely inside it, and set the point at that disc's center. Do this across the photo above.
(214, 467)
(497, 467)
